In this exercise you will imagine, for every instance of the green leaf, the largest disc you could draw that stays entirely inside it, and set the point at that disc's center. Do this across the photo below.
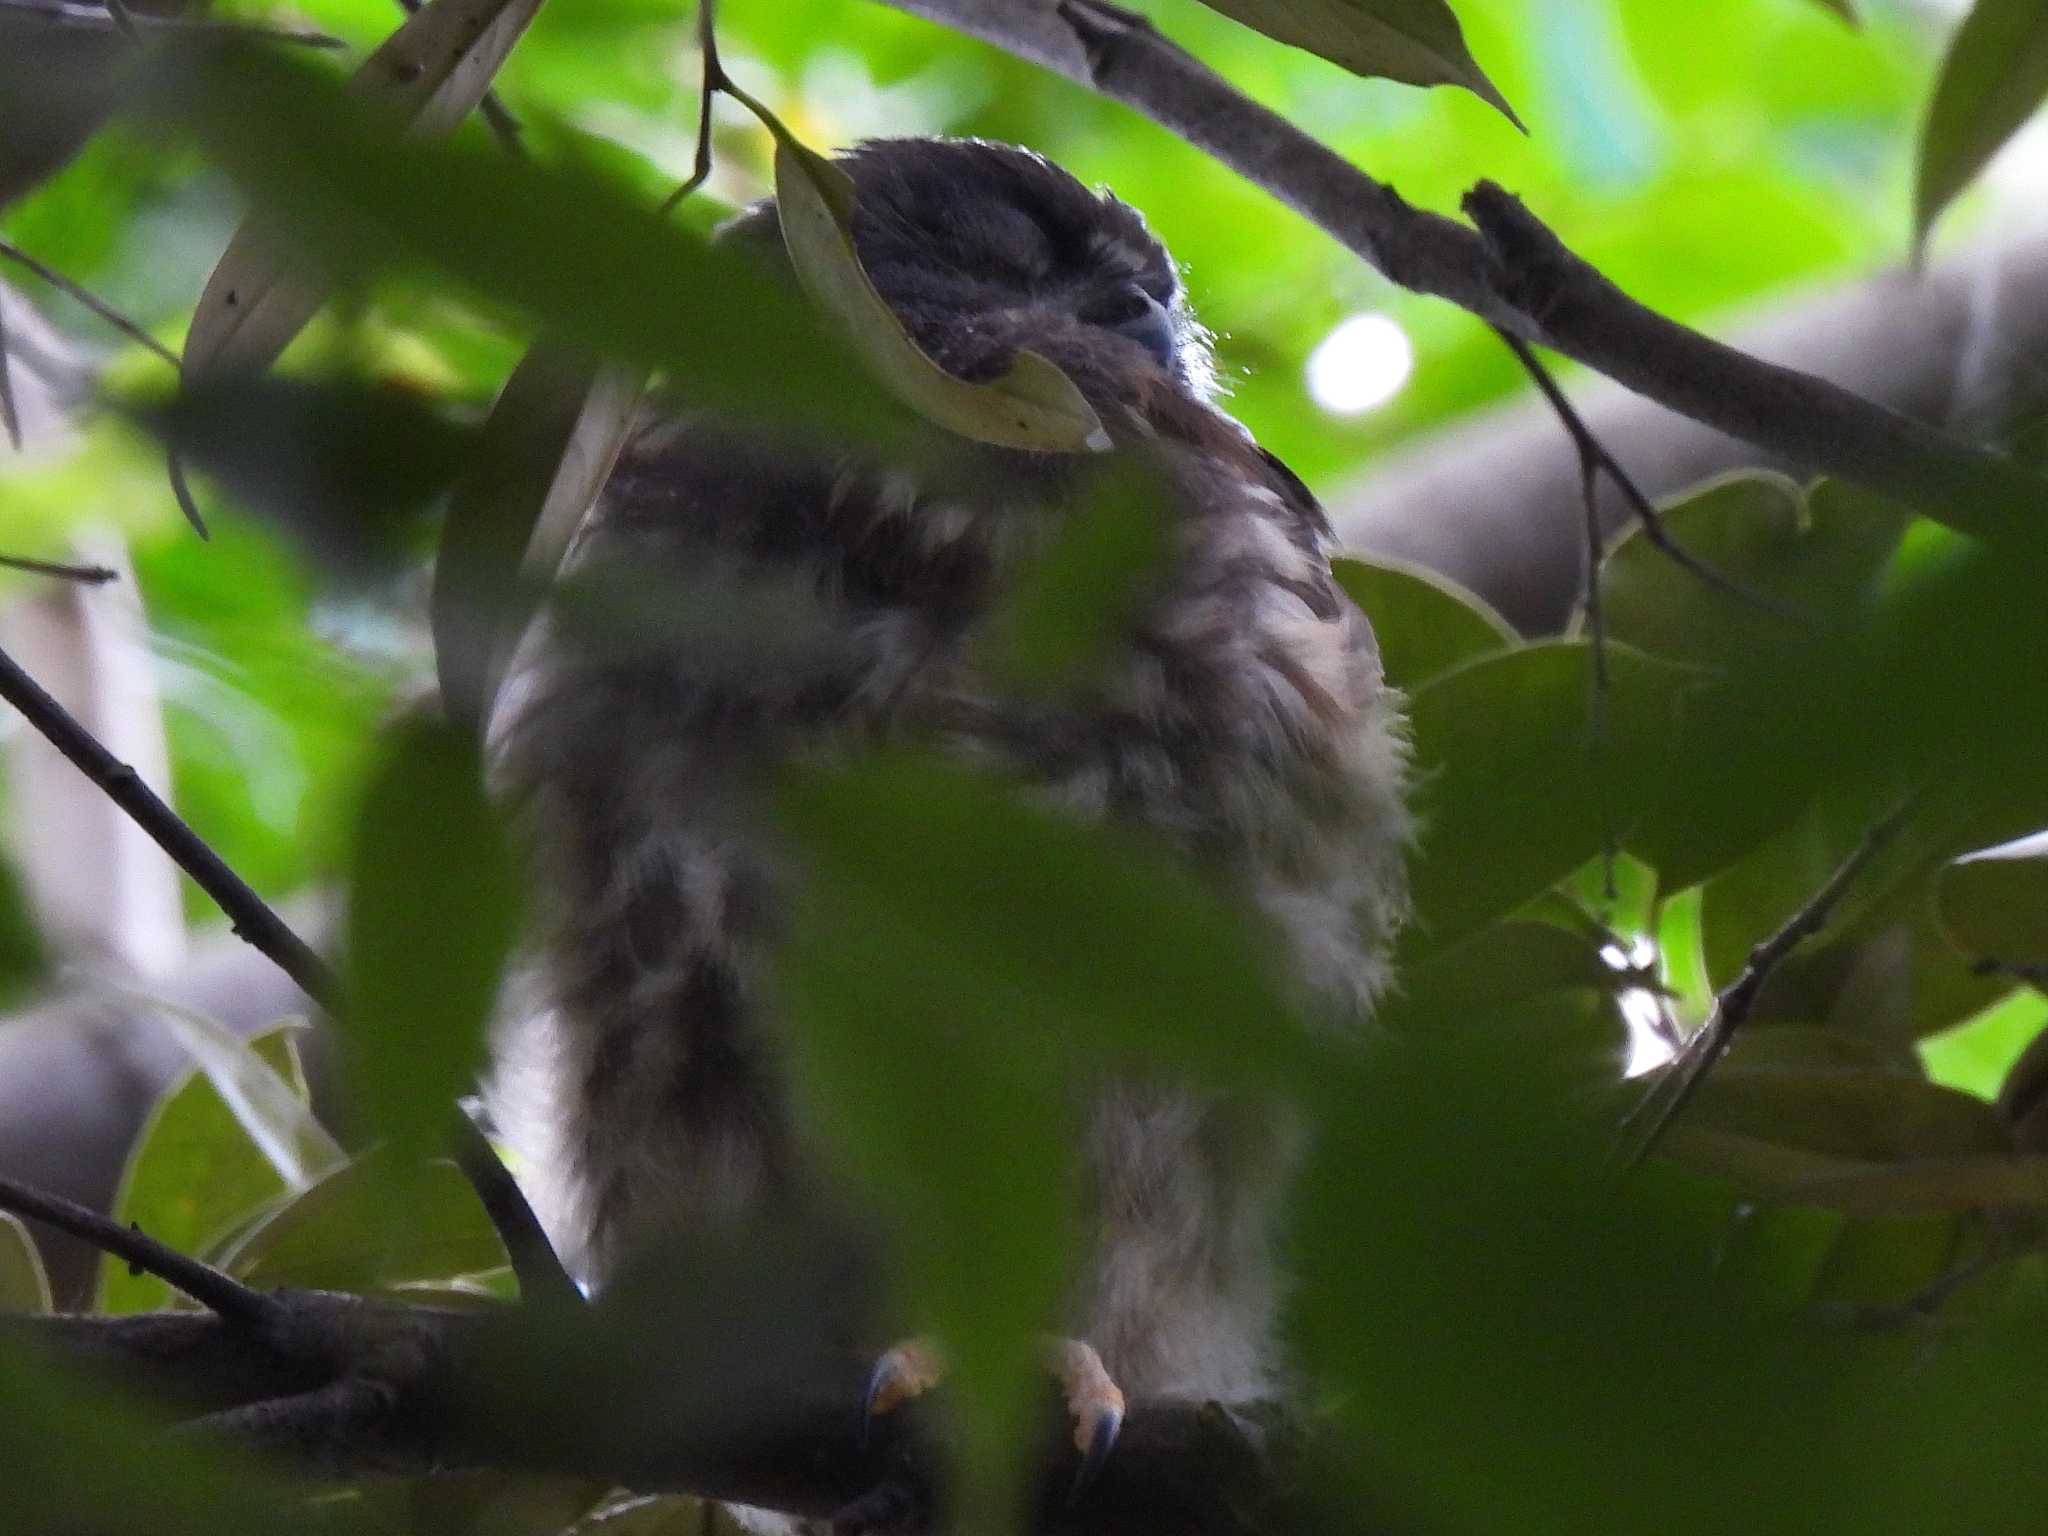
(225, 1141)
(1992, 80)
(1977, 1055)
(958, 961)
(1994, 904)
(546, 451)
(342, 183)
(427, 76)
(349, 470)
(24, 1286)
(1868, 1116)
(1032, 405)
(1512, 793)
(1425, 623)
(1746, 768)
(1067, 607)
(1418, 42)
(1497, 966)
(371, 1225)
(433, 910)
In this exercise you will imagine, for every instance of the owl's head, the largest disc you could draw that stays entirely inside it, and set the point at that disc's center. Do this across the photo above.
(985, 249)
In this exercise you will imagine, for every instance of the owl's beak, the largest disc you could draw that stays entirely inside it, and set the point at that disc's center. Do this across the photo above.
(1151, 327)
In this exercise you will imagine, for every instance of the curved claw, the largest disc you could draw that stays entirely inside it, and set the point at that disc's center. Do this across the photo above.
(1095, 1441)
(1094, 1402)
(903, 1373)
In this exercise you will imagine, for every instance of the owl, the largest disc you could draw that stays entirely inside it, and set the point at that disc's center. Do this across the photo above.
(1243, 718)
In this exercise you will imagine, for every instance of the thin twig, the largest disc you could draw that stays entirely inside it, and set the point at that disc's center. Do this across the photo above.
(533, 1258)
(10, 417)
(97, 18)
(1673, 1088)
(219, 1293)
(714, 81)
(124, 20)
(90, 575)
(251, 916)
(174, 467)
(1594, 460)
(90, 300)
(496, 115)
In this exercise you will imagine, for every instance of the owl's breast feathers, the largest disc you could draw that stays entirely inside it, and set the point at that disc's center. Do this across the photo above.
(1245, 715)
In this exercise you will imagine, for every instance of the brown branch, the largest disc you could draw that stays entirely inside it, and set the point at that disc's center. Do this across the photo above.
(1511, 271)
(1673, 1088)
(212, 1289)
(346, 1385)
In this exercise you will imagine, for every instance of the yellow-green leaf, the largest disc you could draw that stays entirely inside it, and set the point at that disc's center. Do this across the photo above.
(1032, 405)
(24, 1287)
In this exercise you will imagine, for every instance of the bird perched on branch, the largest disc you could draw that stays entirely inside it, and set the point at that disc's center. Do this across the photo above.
(1243, 716)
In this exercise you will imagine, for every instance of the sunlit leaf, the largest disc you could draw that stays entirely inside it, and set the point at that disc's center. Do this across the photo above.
(1994, 77)
(24, 1286)
(433, 907)
(1424, 623)
(426, 77)
(1416, 41)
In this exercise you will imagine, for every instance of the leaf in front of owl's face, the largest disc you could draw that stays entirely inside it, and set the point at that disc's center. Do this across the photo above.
(1033, 405)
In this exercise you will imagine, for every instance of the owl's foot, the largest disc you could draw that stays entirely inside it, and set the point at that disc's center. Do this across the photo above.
(1094, 1401)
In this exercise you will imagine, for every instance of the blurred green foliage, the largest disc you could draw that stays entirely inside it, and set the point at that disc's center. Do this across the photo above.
(1502, 1333)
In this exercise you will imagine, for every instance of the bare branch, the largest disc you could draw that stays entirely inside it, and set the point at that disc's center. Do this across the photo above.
(227, 1297)
(342, 1384)
(1512, 271)
(534, 1261)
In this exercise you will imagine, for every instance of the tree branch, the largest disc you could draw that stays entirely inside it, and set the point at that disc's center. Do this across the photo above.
(1510, 271)
(533, 1258)
(348, 1385)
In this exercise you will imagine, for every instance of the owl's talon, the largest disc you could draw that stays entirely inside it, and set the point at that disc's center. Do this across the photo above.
(900, 1375)
(1094, 1402)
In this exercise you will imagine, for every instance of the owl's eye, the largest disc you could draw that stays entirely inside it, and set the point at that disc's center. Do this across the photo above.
(1131, 311)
